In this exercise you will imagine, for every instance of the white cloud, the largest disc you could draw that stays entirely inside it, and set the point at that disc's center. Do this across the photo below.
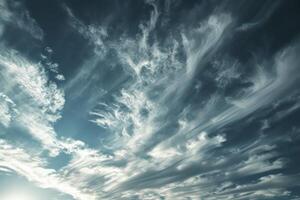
(15, 13)
(60, 77)
(204, 39)
(38, 102)
(263, 15)
(147, 28)
(188, 146)
(95, 34)
(7, 110)
(32, 80)
(189, 159)
(34, 169)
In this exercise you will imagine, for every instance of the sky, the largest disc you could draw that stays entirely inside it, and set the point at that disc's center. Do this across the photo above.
(149, 100)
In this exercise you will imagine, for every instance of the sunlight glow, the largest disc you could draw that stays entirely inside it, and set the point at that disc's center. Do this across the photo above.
(18, 196)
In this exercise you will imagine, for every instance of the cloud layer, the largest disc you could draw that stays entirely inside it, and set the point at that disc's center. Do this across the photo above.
(175, 101)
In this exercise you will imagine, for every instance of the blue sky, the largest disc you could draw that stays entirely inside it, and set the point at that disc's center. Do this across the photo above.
(148, 100)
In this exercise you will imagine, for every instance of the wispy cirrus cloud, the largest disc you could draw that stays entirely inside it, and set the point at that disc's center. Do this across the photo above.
(38, 102)
(137, 115)
(7, 108)
(15, 14)
(179, 114)
(34, 168)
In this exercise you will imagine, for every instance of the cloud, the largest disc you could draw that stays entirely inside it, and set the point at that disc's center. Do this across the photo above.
(207, 36)
(7, 110)
(135, 117)
(149, 26)
(95, 34)
(262, 16)
(33, 168)
(180, 117)
(15, 13)
(38, 102)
